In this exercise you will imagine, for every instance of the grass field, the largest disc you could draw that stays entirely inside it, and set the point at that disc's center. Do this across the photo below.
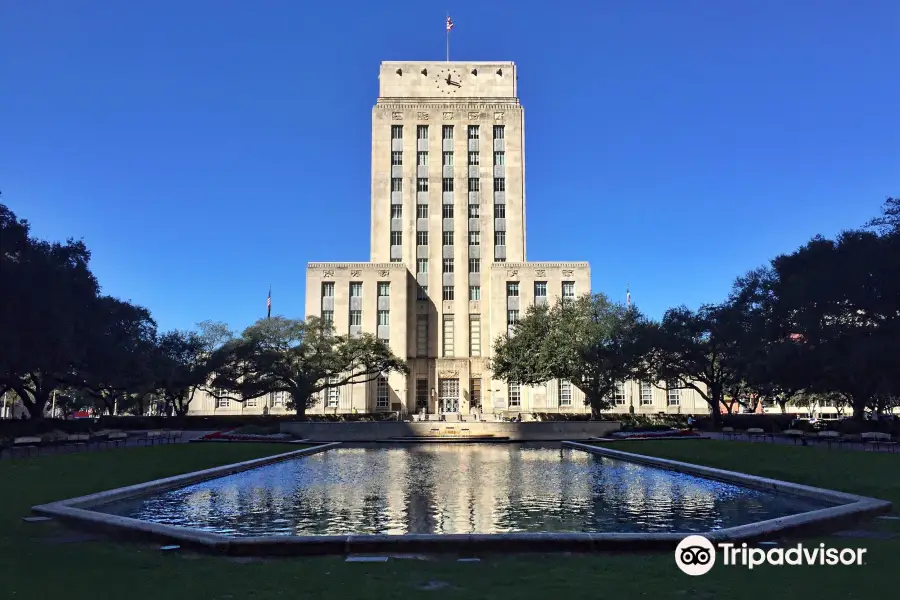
(36, 561)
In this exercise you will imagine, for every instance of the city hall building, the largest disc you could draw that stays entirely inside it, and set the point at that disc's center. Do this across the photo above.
(447, 272)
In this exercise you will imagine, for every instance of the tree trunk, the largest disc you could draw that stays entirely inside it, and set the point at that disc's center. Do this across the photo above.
(36, 404)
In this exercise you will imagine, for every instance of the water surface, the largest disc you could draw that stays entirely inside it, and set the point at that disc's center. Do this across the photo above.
(458, 488)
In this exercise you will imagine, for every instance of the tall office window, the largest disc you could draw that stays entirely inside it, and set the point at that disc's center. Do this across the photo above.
(396, 238)
(421, 265)
(499, 211)
(396, 159)
(422, 293)
(619, 394)
(328, 289)
(381, 393)
(514, 392)
(355, 318)
(396, 132)
(474, 392)
(498, 132)
(447, 211)
(447, 238)
(421, 159)
(332, 394)
(473, 132)
(448, 265)
(447, 132)
(384, 289)
(568, 290)
(421, 184)
(356, 289)
(512, 289)
(421, 335)
(448, 335)
(474, 159)
(499, 159)
(421, 211)
(474, 265)
(474, 292)
(396, 184)
(421, 238)
(448, 292)
(565, 393)
(422, 132)
(447, 159)
(499, 184)
(499, 238)
(474, 238)
(474, 184)
(384, 317)
(474, 211)
(328, 317)
(447, 184)
(396, 211)
(540, 289)
(673, 395)
(474, 335)
(421, 394)
(646, 393)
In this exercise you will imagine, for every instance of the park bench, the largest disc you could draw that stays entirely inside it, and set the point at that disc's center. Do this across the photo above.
(25, 445)
(829, 437)
(77, 440)
(729, 432)
(117, 438)
(756, 432)
(795, 434)
(878, 439)
(151, 437)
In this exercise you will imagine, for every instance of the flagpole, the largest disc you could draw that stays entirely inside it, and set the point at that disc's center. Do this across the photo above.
(448, 37)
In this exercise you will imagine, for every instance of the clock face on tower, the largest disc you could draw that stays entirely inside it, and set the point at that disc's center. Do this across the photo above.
(448, 81)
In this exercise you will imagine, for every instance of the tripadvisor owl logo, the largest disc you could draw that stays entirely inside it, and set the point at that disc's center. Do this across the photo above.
(696, 555)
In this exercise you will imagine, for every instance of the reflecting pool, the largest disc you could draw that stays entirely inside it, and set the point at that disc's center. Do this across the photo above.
(458, 488)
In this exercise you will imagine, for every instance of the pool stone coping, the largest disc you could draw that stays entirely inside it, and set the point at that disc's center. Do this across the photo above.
(78, 511)
(849, 508)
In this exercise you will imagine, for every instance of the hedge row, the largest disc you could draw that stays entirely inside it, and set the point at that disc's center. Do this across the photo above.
(14, 427)
(776, 423)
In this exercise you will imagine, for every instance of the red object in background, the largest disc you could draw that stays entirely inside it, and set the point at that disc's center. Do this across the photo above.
(81, 414)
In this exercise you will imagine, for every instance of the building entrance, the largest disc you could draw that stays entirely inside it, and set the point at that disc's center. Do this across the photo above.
(448, 398)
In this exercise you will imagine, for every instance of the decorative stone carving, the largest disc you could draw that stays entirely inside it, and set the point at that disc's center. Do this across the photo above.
(512, 273)
(568, 272)
(356, 273)
(448, 374)
(498, 116)
(540, 273)
(384, 273)
(448, 116)
(327, 273)
(473, 116)
(422, 116)
(397, 116)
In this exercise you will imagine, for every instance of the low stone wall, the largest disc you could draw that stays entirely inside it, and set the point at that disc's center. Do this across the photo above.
(385, 430)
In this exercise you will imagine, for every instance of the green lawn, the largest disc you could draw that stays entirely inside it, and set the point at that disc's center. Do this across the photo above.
(33, 565)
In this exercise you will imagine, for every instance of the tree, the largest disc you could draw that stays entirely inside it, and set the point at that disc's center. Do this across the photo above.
(693, 350)
(301, 358)
(842, 299)
(589, 341)
(47, 293)
(184, 362)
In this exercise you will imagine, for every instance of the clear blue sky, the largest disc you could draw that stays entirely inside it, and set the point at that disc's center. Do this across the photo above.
(198, 146)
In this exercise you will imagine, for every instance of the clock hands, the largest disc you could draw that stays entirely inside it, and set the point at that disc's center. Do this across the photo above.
(451, 82)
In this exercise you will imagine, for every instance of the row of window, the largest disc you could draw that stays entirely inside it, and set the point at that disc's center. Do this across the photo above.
(447, 159)
(447, 184)
(356, 289)
(540, 289)
(645, 395)
(474, 132)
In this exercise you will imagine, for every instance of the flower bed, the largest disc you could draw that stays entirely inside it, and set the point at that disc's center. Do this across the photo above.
(247, 437)
(648, 435)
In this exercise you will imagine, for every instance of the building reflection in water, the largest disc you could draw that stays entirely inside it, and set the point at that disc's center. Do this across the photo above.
(457, 488)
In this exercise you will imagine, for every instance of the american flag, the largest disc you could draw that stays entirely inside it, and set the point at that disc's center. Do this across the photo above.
(449, 23)
(269, 303)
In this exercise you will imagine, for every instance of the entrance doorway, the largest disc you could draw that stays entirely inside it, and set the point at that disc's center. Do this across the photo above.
(448, 397)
